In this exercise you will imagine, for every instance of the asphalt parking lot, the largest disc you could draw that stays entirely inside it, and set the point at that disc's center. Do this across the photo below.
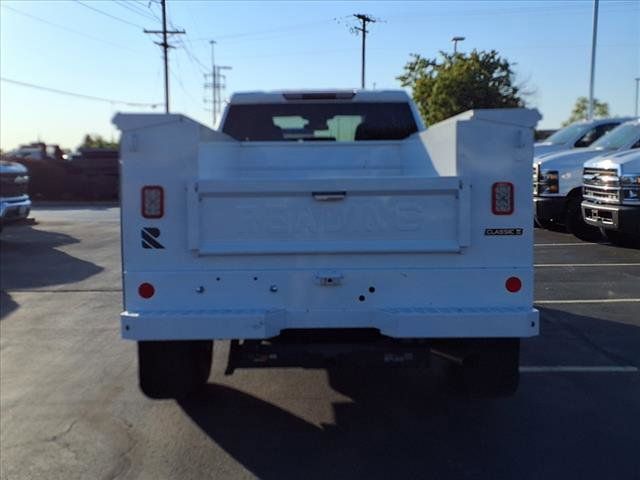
(70, 407)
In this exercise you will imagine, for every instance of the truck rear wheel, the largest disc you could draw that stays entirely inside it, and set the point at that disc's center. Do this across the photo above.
(173, 369)
(487, 367)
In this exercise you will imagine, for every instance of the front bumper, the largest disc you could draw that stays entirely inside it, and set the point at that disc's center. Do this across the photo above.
(15, 208)
(400, 322)
(549, 208)
(623, 218)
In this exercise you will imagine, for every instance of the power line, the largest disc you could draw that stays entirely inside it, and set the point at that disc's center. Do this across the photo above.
(135, 8)
(195, 61)
(80, 95)
(63, 27)
(297, 26)
(109, 15)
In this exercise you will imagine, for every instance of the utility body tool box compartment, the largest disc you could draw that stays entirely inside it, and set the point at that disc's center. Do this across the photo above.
(250, 239)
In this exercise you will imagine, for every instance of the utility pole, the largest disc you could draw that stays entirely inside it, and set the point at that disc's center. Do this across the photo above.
(455, 41)
(216, 85)
(364, 19)
(220, 85)
(165, 46)
(214, 81)
(637, 83)
(593, 57)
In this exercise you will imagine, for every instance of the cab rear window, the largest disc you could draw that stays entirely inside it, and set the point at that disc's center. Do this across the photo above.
(329, 122)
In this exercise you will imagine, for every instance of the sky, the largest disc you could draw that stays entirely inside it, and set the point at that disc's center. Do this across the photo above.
(98, 48)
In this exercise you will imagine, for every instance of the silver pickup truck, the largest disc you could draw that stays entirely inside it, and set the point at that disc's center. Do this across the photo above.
(14, 199)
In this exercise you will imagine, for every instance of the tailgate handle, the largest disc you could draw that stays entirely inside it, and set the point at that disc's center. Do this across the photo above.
(329, 196)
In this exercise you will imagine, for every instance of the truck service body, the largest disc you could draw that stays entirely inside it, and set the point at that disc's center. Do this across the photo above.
(324, 212)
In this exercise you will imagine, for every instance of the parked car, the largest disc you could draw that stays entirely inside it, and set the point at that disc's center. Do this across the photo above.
(577, 135)
(611, 193)
(557, 178)
(14, 198)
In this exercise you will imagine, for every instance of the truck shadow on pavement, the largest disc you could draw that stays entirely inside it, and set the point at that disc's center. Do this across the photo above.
(413, 424)
(30, 260)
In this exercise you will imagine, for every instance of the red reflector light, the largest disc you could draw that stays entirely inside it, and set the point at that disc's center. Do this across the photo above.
(513, 284)
(152, 201)
(146, 290)
(502, 198)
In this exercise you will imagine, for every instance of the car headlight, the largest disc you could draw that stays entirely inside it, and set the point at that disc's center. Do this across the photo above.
(630, 188)
(549, 181)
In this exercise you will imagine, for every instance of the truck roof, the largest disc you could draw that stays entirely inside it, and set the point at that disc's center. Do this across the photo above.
(286, 96)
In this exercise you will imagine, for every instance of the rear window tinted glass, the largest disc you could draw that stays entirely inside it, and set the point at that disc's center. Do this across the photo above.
(310, 121)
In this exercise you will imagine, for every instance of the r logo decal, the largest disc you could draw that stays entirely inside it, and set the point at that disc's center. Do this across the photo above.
(149, 236)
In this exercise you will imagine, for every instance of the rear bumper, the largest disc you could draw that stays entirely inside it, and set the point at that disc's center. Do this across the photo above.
(410, 322)
(15, 208)
(549, 208)
(623, 218)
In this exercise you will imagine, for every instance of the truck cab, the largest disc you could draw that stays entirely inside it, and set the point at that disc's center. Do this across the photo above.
(327, 226)
(557, 178)
(577, 135)
(611, 192)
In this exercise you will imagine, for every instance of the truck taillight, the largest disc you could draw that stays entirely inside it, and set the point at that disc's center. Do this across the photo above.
(502, 198)
(146, 290)
(513, 284)
(152, 201)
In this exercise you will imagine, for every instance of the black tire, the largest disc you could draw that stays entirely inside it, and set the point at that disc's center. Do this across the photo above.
(620, 239)
(544, 223)
(575, 223)
(491, 369)
(173, 369)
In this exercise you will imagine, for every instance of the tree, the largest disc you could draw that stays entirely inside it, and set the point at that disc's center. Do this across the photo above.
(97, 141)
(581, 109)
(458, 82)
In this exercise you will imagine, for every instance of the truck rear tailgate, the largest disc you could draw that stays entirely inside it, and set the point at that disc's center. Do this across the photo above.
(313, 216)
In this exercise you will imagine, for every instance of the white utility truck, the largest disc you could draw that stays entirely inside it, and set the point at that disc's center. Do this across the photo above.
(611, 193)
(324, 228)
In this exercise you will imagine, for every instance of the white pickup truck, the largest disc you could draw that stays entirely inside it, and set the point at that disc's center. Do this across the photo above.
(327, 226)
(557, 178)
(611, 192)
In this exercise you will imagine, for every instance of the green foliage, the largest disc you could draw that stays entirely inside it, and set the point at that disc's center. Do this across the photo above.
(458, 82)
(581, 109)
(97, 141)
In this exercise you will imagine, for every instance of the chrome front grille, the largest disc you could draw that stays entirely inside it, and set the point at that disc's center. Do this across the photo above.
(601, 185)
(9, 187)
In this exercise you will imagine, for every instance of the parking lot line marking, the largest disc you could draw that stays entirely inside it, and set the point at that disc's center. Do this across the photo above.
(588, 300)
(586, 264)
(578, 369)
(62, 290)
(567, 244)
